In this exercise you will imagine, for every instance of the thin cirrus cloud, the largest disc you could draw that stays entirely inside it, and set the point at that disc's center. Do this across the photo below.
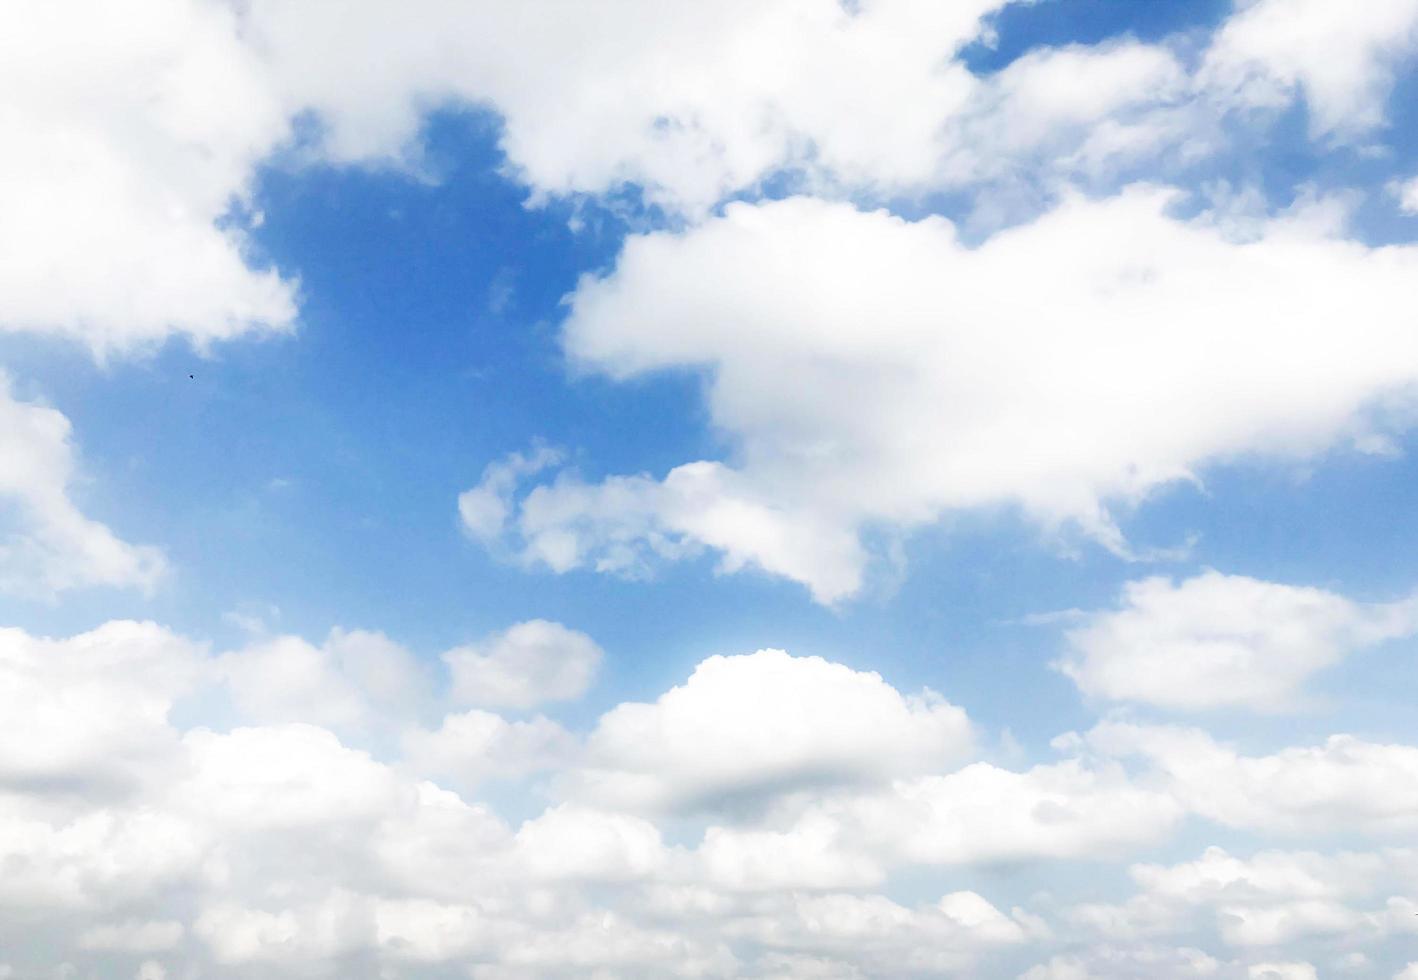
(873, 371)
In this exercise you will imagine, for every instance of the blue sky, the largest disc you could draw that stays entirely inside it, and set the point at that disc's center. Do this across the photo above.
(423, 427)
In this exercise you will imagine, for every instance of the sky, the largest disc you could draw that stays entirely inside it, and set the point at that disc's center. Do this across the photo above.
(759, 489)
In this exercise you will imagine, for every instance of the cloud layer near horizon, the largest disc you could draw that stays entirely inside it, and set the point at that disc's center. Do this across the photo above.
(270, 844)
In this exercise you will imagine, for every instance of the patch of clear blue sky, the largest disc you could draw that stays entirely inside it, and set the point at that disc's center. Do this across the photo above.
(318, 472)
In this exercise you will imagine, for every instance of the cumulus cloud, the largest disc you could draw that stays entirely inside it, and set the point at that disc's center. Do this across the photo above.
(138, 135)
(356, 681)
(979, 814)
(1343, 62)
(524, 665)
(1107, 962)
(276, 845)
(47, 544)
(89, 712)
(1271, 899)
(1222, 641)
(131, 133)
(470, 746)
(749, 822)
(746, 728)
(687, 103)
(873, 372)
(1344, 784)
(693, 106)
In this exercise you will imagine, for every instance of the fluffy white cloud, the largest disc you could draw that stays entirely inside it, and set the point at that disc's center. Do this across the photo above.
(872, 371)
(89, 713)
(575, 842)
(355, 681)
(690, 103)
(130, 132)
(746, 728)
(1222, 641)
(279, 848)
(815, 854)
(985, 813)
(471, 746)
(524, 665)
(1272, 899)
(1106, 962)
(137, 134)
(980, 814)
(97, 859)
(47, 545)
(889, 939)
(1343, 61)
(693, 106)
(1344, 784)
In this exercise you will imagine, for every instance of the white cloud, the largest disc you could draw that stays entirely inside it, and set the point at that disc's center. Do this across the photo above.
(1344, 784)
(691, 103)
(475, 745)
(136, 132)
(355, 681)
(1107, 962)
(575, 842)
(985, 813)
(130, 131)
(888, 938)
(98, 859)
(980, 814)
(1344, 61)
(47, 545)
(815, 854)
(1407, 193)
(875, 372)
(89, 713)
(746, 728)
(693, 106)
(1282, 971)
(485, 508)
(134, 936)
(282, 777)
(524, 665)
(1222, 641)
(1272, 899)
(280, 848)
